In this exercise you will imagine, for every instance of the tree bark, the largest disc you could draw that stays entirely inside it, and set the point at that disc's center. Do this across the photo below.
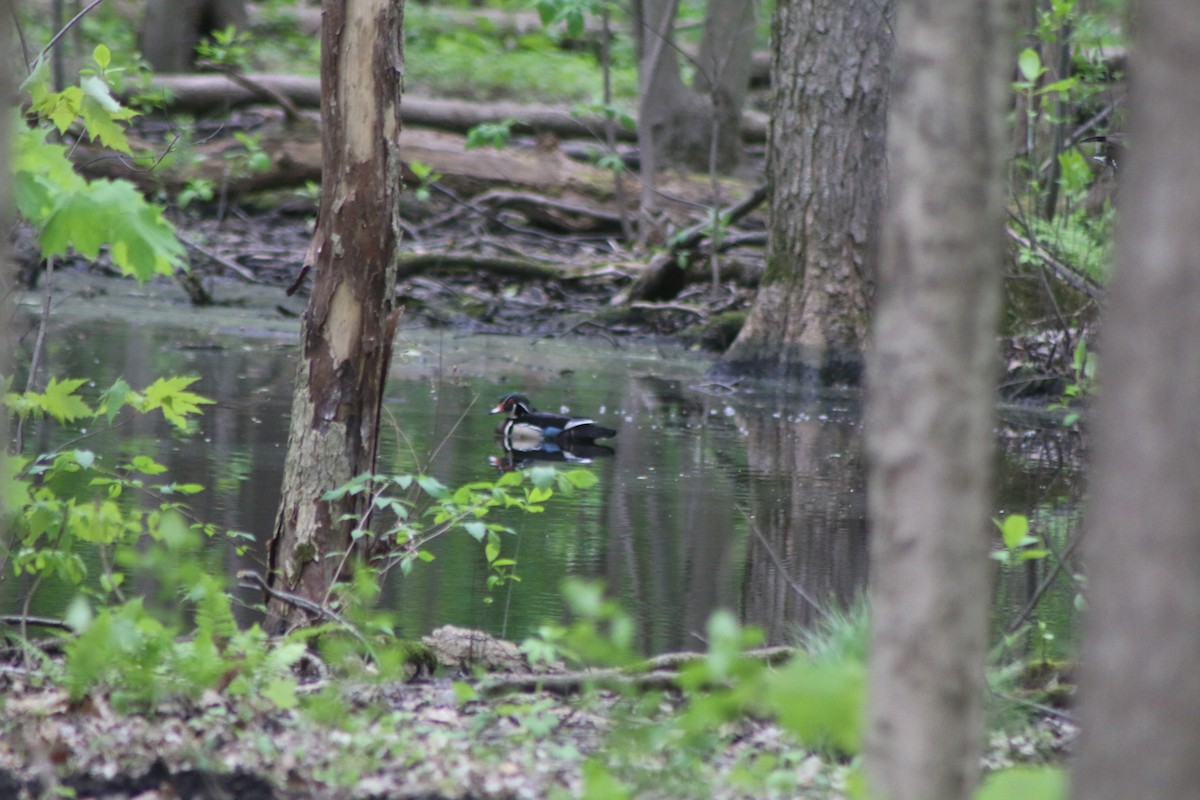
(827, 170)
(171, 29)
(1139, 682)
(348, 326)
(931, 399)
(677, 124)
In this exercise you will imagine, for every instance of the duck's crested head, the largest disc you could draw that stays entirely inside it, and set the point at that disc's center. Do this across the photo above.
(513, 403)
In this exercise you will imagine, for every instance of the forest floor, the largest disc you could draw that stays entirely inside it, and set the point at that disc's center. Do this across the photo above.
(446, 737)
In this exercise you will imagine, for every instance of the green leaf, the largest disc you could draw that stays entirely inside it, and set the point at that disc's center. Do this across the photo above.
(540, 494)
(1014, 529)
(114, 213)
(477, 530)
(113, 398)
(432, 486)
(281, 692)
(820, 702)
(169, 396)
(1027, 783)
(510, 479)
(100, 121)
(60, 401)
(1064, 85)
(581, 478)
(102, 56)
(600, 784)
(146, 465)
(1030, 64)
(543, 476)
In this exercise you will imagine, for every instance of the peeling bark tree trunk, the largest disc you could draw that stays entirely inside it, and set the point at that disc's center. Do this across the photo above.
(171, 29)
(827, 169)
(931, 399)
(1139, 681)
(348, 326)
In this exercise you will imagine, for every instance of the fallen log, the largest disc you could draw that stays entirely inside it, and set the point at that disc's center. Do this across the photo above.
(665, 276)
(207, 93)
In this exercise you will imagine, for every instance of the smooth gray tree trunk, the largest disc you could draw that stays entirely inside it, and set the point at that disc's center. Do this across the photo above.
(828, 174)
(171, 29)
(1140, 669)
(348, 327)
(9, 55)
(677, 123)
(931, 397)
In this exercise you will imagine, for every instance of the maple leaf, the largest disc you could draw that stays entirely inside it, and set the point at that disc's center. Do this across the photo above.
(169, 396)
(60, 401)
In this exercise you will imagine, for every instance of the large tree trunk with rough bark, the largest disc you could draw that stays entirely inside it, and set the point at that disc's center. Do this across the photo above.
(1139, 675)
(931, 399)
(677, 124)
(826, 167)
(349, 324)
(171, 29)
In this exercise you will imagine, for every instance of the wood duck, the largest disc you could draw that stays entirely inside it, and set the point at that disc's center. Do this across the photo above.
(1112, 149)
(527, 429)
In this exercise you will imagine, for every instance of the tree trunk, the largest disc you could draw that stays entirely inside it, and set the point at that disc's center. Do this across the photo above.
(677, 124)
(349, 323)
(1139, 681)
(932, 389)
(827, 168)
(8, 83)
(171, 29)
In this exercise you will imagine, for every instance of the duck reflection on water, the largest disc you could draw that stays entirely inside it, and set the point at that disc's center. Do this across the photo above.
(529, 435)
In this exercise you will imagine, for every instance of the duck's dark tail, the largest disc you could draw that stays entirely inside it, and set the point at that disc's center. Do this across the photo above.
(586, 430)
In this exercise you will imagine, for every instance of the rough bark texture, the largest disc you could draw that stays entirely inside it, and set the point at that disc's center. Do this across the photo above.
(827, 168)
(931, 399)
(1139, 680)
(676, 123)
(171, 29)
(348, 326)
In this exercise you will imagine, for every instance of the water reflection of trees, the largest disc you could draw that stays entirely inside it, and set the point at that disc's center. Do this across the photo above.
(807, 549)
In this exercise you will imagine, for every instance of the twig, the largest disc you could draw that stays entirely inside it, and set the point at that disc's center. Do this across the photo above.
(783, 572)
(24, 621)
(660, 672)
(219, 259)
(290, 111)
(1068, 275)
(668, 307)
(249, 579)
(74, 21)
(1044, 586)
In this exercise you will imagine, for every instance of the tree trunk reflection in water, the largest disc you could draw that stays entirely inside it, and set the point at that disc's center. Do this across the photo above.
(671, 538)
(807, 550)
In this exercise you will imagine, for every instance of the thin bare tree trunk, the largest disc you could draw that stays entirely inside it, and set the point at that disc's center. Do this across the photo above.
(171, 29)
(931, 397)
(349, 324)
(677, 124)
(827, 172)
(1140, 670)
(8, 62)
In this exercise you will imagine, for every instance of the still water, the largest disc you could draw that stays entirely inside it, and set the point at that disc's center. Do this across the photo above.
(750, 502)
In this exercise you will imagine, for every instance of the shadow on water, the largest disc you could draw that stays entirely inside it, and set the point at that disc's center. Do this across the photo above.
(749, 502)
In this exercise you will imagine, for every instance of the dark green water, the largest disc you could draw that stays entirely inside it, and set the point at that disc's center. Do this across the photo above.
(749, 502)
